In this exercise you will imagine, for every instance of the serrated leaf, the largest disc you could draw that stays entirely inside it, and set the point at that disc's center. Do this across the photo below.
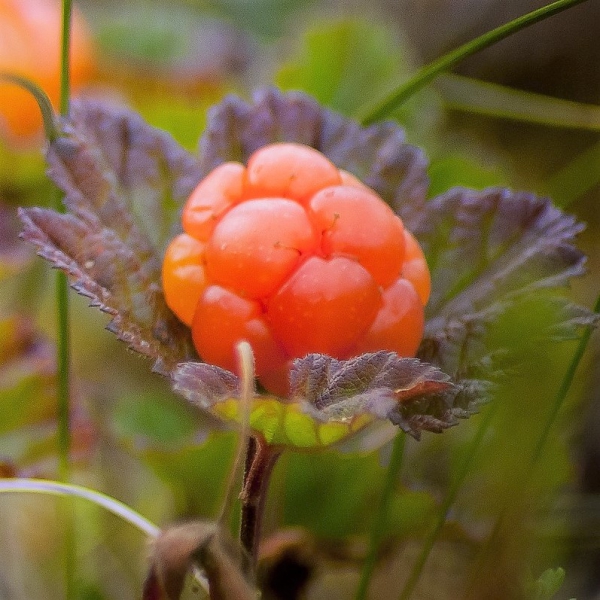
(487, 251)
(14, 255)
(379, 383)
(279, 423)
(124, 183)
(204, 385)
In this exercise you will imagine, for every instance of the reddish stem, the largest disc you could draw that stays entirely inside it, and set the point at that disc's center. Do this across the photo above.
(260, 460)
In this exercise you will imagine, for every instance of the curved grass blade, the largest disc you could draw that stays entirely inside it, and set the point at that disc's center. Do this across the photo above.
(48, 117)
(113, 506)
(55, 488)
(382, 108)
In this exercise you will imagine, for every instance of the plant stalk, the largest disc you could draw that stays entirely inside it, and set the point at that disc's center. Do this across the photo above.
(62, 298)
(64, 338)
(447, 502)
(260, 460)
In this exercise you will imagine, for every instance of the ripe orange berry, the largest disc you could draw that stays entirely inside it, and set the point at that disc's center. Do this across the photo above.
(398, 326)
(295, 257)
(257, 244)
(222, 319)
(214, 195)
(324, 306)
(184, 278)
(288, 171)
(355, 222)
(415, 267)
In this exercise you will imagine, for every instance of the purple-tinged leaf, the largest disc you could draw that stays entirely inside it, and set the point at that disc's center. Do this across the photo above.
(413, 394)
(14, 255)
(119, 172)
(124, 184)
(486, 251)
(378, 154)
(204, 385)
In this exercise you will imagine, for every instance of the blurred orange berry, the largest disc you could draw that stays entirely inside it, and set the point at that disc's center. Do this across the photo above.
(30, 41)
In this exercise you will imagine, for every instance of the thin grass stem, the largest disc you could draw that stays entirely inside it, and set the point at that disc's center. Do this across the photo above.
(447, 502)
(64, 338)
(541, 442)
(385, 106)
(382, 515)
(56, 488)
(62, 298)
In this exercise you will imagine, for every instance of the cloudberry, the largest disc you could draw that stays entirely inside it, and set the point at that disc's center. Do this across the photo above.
(294, 256)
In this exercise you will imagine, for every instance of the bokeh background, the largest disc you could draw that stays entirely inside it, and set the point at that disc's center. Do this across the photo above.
(134, 440)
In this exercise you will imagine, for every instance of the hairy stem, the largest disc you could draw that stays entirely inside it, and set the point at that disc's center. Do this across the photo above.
(260, 460)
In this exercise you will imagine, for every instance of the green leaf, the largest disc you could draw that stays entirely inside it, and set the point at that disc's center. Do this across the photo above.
(547, 585)
(458, 169)
(330, 496)
(154, 420)
(344, 61)
(341, 62)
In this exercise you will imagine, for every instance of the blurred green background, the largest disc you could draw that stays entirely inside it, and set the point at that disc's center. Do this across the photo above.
(136, 441)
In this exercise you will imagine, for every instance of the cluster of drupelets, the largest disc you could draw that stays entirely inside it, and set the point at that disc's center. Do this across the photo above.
(295, 256)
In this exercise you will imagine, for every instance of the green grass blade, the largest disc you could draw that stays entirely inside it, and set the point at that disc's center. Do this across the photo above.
(576, 178)
(381, 516)
(65, 59)
(55, 488)
(62, 298)
(43, 102)
(447, 502)
(382, 108)
(541, 442)
(63, 331)
(493, 100)
(564, 388)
